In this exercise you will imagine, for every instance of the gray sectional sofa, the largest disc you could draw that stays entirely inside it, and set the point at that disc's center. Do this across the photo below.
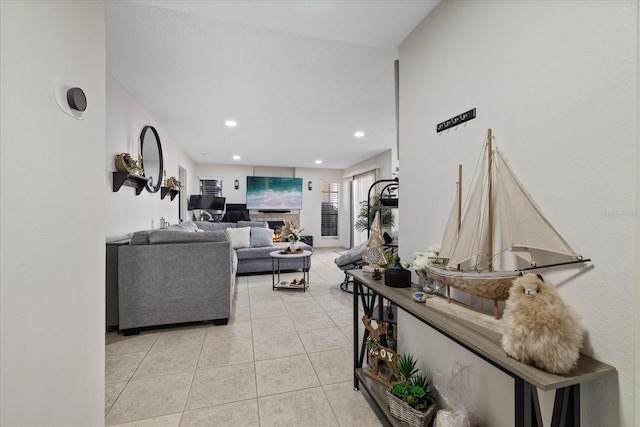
(255, 257)
(187, 273)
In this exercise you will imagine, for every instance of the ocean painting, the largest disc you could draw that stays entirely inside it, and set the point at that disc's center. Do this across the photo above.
(273, 193)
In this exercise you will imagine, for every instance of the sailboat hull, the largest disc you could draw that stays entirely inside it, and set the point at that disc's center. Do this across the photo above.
(491, 285)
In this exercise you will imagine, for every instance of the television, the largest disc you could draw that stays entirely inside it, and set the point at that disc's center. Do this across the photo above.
(273, 193)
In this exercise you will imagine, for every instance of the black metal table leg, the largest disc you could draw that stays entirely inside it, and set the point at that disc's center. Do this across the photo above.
(527, 406)
(566, 407)
(356, 332)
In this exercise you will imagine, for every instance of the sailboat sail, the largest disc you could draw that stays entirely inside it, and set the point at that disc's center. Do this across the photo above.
(450, 236)
(470, 243)
(518, 227)
(523, 226)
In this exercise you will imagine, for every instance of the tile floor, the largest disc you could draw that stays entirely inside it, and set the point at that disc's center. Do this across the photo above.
(284, 359)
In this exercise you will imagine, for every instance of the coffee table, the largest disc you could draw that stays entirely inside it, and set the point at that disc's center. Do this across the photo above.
(276, 256)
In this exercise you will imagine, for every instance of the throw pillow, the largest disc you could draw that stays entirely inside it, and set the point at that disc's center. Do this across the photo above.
(239, 237)
(190, 226)
(261, 237)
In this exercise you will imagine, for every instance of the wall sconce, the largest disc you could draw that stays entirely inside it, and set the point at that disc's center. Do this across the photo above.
(236, 184)
(310, 185)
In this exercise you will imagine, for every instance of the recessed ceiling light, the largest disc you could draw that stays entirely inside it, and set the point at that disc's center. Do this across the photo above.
(359, 134)
(318, 162)
(231, 123)
(236, 157)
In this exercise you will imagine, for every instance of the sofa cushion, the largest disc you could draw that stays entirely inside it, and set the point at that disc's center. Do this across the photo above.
(185, 226)
(263, 253)
(157, 237)
(261, 224)
(239, 237)
(255, 253)
(189, 226)
(213, 226)
(261, 237)
(140, 238)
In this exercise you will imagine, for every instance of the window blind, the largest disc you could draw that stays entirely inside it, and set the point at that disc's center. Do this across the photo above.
(329, 197)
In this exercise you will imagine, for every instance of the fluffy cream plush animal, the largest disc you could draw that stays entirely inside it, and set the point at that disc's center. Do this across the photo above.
(539, 328)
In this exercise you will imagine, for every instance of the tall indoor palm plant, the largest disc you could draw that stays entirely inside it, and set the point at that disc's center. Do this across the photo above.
(366, 215)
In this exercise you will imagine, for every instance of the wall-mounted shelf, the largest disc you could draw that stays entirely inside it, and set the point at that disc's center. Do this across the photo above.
(130, 180)
(168, 190)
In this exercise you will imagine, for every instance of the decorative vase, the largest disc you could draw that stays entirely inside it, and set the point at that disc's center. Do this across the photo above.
(294, 245)
(429, 285)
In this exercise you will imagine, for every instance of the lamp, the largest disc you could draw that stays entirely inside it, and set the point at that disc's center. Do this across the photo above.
(236, 184)
(310, 185)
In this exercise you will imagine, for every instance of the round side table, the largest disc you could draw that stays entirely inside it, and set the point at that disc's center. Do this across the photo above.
(276, 256)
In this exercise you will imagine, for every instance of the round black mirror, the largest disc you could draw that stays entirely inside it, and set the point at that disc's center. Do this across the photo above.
(152, 161)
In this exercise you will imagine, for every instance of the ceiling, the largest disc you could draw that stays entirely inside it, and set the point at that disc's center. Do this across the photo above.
(298, 77)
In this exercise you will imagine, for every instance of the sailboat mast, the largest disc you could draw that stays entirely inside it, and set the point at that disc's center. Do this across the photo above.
(490, 197)
(459, 197)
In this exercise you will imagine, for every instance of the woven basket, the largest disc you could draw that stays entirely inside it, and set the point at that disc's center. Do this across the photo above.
(406, 413)
(173, 183)
(121, 165)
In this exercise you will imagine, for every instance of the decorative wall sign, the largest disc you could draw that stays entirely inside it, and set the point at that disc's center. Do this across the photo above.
(378, 353)
(455, 121)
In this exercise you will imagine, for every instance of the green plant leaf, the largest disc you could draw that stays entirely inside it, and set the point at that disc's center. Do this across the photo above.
(417, 392)
(406, 367)
(399, 389)
(366, 216)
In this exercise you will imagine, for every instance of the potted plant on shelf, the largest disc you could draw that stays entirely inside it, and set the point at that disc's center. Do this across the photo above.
(412, 399)
(366, 216)
(125, 163)
(173, 183)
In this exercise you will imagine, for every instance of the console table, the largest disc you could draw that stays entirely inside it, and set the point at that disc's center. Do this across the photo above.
(482, 342)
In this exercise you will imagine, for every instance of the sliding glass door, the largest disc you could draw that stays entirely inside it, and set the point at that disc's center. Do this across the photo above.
(359, 189)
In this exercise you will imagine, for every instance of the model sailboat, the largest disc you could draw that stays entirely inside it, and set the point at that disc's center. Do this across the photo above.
(501, 234)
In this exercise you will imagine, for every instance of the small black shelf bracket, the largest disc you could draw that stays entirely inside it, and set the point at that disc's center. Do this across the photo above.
(168, 190)
(130, 180)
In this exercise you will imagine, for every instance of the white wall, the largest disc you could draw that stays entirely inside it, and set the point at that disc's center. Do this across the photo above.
(384, 162)
(557, 82)
(310, 212)
(52, 216)
(125, 211)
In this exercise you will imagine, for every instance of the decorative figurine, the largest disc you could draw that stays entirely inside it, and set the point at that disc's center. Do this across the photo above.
(539, 329)
(374, 255)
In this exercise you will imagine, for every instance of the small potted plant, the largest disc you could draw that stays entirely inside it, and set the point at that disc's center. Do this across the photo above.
(125, 163)
(172, 182)
(411, 399)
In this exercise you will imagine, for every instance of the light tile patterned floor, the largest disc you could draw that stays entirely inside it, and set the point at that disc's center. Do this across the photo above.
(284, 359)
